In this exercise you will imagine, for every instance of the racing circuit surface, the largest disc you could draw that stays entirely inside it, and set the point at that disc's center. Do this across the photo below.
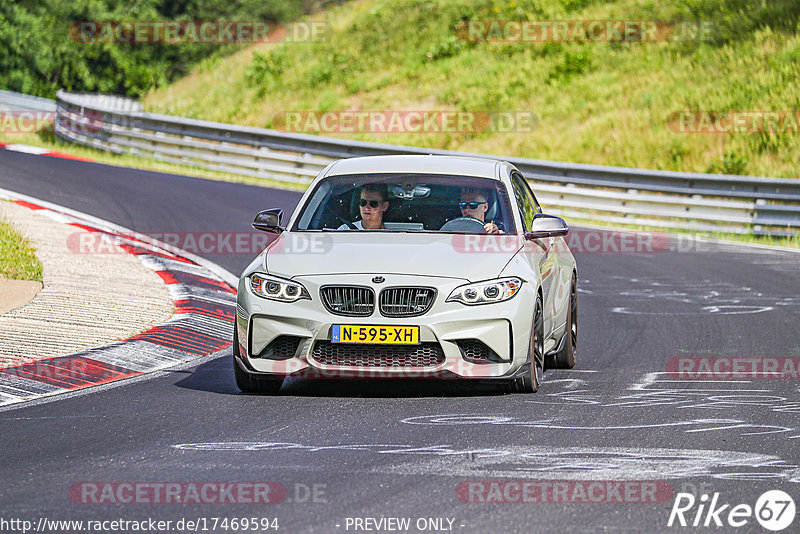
(425, 450)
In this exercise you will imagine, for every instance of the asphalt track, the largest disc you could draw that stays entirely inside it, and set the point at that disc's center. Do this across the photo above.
(376, 449)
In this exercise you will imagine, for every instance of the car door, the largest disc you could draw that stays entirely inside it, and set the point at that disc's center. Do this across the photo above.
(560, 277)
(538, 251)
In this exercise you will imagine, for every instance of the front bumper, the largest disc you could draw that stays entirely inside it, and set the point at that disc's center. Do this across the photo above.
(503, 327)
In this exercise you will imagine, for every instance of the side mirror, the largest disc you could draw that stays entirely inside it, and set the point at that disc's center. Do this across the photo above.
(269, 221)
(547, 226)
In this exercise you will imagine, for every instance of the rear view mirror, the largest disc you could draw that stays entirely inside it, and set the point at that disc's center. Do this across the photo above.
(269, 221)
(420, 191)
(547, 226)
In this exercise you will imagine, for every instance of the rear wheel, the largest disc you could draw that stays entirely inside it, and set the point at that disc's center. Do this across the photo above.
(529, 382)
(565, 358)
(247, 382)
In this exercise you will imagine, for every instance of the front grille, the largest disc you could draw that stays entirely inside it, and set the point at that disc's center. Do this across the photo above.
(280, 348)
(423, 355)
(355, 301)
(475, 351)
(406, 301)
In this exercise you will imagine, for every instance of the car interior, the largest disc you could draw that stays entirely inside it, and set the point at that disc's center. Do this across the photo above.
(423, 207)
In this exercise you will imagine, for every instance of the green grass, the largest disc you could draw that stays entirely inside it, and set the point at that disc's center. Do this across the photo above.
(607, 103)
(18, 259)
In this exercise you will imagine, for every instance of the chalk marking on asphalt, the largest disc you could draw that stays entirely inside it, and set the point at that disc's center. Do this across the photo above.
(537, 462)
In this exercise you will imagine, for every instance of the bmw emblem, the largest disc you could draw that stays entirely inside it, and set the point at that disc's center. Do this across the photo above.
(378, 279)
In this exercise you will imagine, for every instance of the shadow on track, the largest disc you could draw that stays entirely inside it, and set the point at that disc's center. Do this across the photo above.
(216, 376)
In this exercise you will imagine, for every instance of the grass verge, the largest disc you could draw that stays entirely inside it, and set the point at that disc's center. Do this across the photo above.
(18, 259)
(606, 102)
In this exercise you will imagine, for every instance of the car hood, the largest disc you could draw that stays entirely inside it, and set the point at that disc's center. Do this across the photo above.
(469, 257)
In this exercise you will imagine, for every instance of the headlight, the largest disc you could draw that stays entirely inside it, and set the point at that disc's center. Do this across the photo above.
(486, 292)
(274, 288)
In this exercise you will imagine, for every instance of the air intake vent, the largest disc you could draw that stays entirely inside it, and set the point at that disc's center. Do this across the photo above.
(280, 348)
(475, 351)
(406, 301)
(427, 354)
(354, 301)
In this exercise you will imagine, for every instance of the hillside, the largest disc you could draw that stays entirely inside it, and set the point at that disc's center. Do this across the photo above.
(606, 102)
(43, 49)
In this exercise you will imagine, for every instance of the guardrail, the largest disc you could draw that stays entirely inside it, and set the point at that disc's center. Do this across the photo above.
(694, 201)
(10, 101)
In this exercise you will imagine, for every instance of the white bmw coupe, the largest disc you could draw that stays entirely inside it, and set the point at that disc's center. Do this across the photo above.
(409, 267)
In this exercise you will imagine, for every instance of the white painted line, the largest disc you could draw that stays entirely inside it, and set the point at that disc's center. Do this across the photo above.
(27, 149)
(102, 224)
(147, 352)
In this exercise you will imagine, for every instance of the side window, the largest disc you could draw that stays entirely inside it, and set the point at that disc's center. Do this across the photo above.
(525, 202)
(529, 191)
(533, 197)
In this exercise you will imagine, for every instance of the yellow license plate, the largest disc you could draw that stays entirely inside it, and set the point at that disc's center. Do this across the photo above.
(351, 333)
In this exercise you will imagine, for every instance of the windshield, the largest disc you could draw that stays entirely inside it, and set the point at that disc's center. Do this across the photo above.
(408, 203)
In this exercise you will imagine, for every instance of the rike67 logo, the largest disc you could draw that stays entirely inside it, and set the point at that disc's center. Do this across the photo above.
(774, 510)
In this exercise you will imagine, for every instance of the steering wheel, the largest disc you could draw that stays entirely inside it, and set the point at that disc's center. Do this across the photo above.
(469, 225)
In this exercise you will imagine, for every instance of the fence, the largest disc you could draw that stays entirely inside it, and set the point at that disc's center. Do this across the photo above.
(19, 102)
(694, 201)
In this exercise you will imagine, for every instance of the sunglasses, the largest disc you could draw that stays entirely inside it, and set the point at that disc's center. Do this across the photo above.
(470, 205)
(372, 203)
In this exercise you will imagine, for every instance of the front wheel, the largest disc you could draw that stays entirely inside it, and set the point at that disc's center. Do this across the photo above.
(529, 382)
(250, 383)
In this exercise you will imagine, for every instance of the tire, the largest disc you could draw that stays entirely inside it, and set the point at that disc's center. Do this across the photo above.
(250, 383)
(565, 358)
(529, 382)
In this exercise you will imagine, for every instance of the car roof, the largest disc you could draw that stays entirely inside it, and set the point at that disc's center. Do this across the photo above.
(430, 164)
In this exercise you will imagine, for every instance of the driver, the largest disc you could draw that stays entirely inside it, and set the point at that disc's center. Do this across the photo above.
(372, 204)
(473, 204)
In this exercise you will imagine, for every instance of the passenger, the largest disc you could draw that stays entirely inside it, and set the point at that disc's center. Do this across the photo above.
(474, 204)
(372, 204)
